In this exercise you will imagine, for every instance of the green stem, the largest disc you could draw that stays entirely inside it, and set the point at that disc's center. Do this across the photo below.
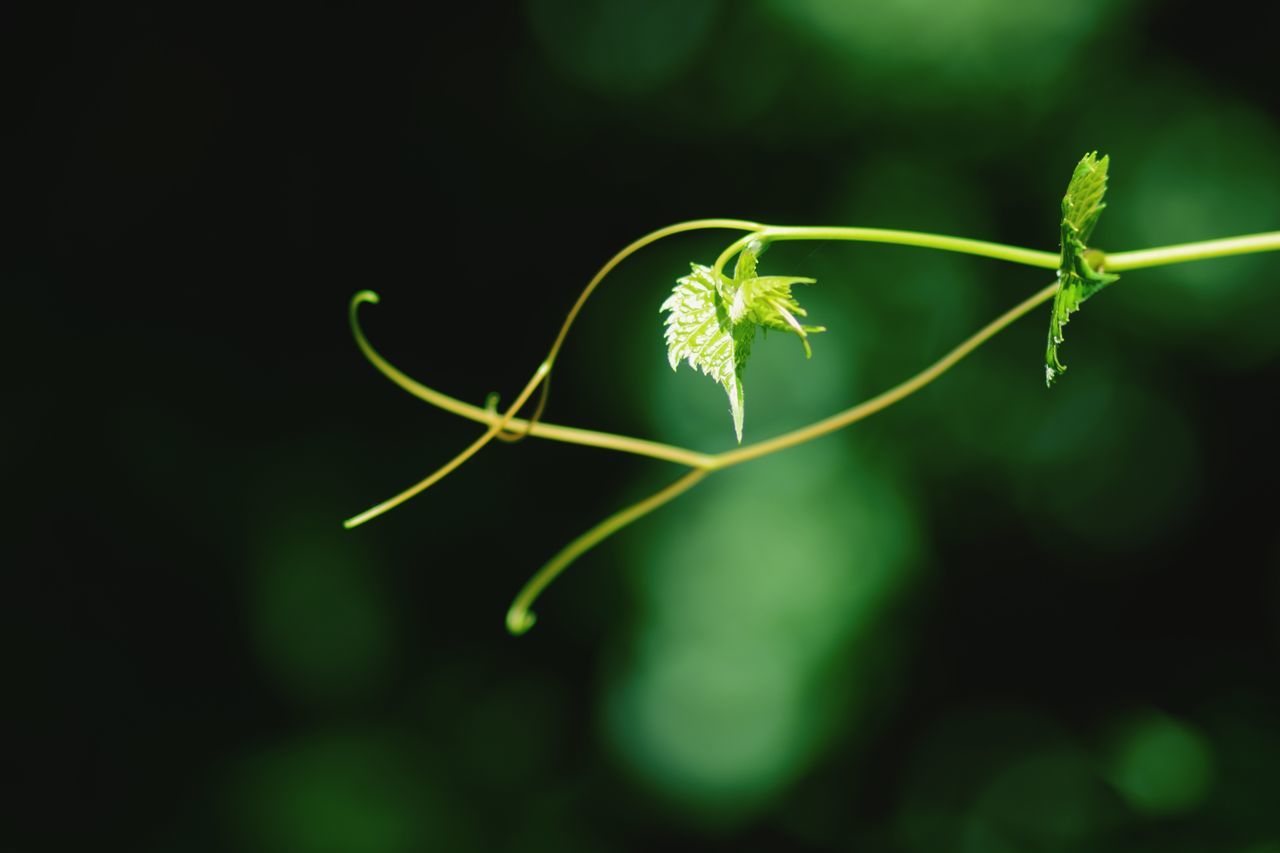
(502, 424)
(999, 251)
(520, 618)
(443, 471)
(631, 249)
(886, 399)
(553, 432)
(1165, 255)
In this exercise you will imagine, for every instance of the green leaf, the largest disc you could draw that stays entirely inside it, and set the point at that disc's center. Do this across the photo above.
(699, 331)
(767, 301)
(1080, 273)
(712, 324)
(748, 260)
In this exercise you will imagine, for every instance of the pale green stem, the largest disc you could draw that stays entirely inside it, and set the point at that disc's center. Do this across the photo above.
(886, 399)
(999, 251)
(444, 470)
(487, 416)
(651, 237)
(544, 370)
(1249, 244)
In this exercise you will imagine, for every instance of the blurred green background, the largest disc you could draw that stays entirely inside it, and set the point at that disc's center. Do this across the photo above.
(994, 618)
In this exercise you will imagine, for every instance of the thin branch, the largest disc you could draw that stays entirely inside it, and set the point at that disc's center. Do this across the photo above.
(554, 432)
(918, 239)
(1246, 245)
(520, 618)
(886, 399)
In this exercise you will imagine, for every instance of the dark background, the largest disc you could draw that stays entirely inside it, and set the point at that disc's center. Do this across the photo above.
(993, 618)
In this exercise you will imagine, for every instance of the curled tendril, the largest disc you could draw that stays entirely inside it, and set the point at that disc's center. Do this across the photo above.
(520, 618)
(440, 473)
(500, 428)
(517, 436)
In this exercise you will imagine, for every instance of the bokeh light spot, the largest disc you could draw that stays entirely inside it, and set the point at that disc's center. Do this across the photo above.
(349, 793)
(321, 623)
(1210, 172)
(622, 48)
(1161, 766)
(750, 592)
(997, 778)
(993, 46)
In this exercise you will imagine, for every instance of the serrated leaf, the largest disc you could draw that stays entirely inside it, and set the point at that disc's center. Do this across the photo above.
(1078, 274)
(711, 324)
(1083, 204)
(699, 331)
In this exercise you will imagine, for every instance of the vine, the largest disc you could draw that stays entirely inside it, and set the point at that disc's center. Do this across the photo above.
(711, 324)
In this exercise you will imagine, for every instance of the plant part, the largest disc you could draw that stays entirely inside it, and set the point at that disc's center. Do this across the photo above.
(712, 319)
(1080, 272)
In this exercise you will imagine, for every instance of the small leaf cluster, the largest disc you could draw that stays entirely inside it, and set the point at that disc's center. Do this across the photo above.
(712, 320)
(1079, 275)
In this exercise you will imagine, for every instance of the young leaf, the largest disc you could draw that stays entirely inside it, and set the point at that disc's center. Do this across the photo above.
(712, 324)
(1078, 275)
(767, 301)
(699, 331)
(748, 260)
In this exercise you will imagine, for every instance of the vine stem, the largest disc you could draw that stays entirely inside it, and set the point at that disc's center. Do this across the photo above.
(942, 242)
(452, 465)
(501, 424)
(553, 432)
(885, 399)
(506, 425)
(631, 249)
(519, 617)
(1165, 255)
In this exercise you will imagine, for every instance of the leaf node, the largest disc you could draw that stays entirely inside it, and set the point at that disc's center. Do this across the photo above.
(1080, 273)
